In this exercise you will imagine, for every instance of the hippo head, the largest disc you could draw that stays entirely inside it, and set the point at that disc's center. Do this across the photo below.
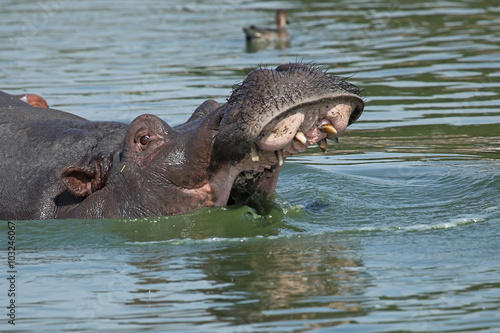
(225, 153)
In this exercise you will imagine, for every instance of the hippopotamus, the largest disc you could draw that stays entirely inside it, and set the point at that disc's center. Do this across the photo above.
(59, 165)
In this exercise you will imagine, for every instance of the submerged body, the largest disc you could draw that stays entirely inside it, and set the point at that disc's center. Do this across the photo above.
(59, 165)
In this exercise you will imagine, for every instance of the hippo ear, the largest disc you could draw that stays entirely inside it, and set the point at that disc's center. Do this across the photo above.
(33, 100)
(205, 108)
(83, 181)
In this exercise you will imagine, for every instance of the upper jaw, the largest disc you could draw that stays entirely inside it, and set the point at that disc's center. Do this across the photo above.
(309, 123)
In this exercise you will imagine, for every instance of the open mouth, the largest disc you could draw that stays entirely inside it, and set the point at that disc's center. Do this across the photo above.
(288, 134)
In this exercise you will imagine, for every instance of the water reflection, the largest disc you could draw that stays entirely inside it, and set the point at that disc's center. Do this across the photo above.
(302, 278)
(256, 46)
(479, 140)
(205, 223)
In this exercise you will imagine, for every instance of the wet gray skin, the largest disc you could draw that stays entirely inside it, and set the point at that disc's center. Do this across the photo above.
(63, 166)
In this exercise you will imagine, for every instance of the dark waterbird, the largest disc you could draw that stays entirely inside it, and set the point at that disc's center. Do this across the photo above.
(269, 35)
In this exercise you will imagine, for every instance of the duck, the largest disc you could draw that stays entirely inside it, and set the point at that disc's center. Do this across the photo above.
(278, 34)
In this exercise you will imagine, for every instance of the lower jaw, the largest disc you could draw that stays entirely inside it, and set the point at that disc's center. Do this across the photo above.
(262, 188)
(261, 202)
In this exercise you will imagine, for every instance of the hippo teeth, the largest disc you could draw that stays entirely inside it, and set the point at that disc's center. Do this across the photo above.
(327, 127)
(279, 156)
(254, 153)
(294, 130)
(323, 145)
(300, 137)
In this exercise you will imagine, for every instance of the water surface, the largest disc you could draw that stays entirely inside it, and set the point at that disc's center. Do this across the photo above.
(396, 228)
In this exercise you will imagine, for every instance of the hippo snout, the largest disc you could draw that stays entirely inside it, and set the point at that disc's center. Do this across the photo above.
(276, 113)
(270, 107)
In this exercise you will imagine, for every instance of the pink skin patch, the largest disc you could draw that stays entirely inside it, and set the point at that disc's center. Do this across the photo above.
(280, 134)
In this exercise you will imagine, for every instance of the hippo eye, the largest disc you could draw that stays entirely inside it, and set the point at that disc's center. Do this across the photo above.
(144, 140)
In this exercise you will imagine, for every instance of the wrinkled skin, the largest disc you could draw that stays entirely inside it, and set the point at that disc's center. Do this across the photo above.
(58, 165)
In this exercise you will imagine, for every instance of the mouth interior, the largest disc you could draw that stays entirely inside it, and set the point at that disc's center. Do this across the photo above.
(286, 135)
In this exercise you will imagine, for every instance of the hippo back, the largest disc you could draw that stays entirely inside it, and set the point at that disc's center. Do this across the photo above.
(37, 144)
(13, 110)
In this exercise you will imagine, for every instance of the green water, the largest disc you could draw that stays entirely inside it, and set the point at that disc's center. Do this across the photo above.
(396, 228)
